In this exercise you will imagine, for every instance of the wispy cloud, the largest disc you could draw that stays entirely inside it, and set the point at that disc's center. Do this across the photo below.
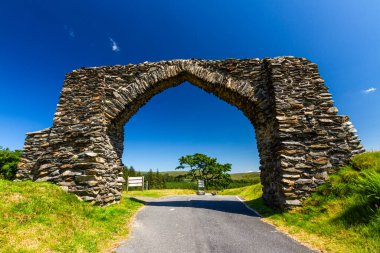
(114, 46)
(369, 90)
(69, 31)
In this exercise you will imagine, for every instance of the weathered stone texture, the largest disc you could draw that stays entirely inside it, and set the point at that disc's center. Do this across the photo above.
(300, 137)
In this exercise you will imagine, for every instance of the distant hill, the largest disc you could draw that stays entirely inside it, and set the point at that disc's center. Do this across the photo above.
(174, 173)
(245, 175)
(234, 176)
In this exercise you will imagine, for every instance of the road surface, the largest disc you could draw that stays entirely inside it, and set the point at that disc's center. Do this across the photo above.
(203, 224)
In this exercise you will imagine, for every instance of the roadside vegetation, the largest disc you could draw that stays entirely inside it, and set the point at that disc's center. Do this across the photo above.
(8, 163)
(160, 193)
(41, 217)
(188, 179)
(342, 216)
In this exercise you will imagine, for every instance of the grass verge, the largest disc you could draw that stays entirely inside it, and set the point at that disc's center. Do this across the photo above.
(342, 216)
(159, 193)
(40, 217)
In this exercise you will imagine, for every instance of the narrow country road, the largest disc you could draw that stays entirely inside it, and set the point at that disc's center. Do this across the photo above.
(204, 224)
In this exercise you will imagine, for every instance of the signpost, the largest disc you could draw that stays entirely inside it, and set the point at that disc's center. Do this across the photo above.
(135, 182)
(201, 187)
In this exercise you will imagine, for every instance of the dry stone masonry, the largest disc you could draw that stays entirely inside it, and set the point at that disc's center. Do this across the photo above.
(300, 137)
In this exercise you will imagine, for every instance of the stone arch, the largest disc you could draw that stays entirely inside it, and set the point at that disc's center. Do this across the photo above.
(300, 137)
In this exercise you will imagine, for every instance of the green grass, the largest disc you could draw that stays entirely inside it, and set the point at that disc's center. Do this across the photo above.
(246, 176)
(368, 160)
(181, 185)
(159, 193)
(234, 176)
(194, 185)
(251, 195)
(342, 216)
(174, 173)
(40, 217)
(238, 180)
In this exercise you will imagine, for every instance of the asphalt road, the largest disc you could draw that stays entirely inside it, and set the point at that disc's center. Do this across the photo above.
(204, 224)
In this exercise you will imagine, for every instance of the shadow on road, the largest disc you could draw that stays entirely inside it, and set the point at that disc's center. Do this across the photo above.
(227, 206)
(264, 210)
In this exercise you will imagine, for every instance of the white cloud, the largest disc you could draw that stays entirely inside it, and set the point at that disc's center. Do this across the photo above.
(114, 46)
(370, 90)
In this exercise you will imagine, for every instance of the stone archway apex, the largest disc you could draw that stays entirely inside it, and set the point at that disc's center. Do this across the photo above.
(300, 137)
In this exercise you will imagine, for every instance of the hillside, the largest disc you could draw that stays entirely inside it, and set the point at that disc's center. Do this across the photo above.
(247, 175)
(342, 216)
(174, 173)
(41, 217)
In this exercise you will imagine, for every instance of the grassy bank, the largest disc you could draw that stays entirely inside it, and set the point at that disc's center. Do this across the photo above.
(159, 193)
(342, 216)
(40, 217)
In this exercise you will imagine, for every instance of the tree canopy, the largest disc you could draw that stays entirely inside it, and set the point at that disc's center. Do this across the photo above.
(8, 163)
(203, 167)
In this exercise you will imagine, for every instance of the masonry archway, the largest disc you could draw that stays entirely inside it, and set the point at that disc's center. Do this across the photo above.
(300, 137)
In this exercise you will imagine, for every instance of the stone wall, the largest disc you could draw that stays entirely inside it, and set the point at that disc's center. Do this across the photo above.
(300, 137)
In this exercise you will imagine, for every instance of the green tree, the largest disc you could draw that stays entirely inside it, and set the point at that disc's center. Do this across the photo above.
(8, 163)
(150, 178)
(206, 168)
(131, 172)
(128, 172)
(160, 180)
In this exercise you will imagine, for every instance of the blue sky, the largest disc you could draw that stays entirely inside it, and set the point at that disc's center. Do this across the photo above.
(41, 41)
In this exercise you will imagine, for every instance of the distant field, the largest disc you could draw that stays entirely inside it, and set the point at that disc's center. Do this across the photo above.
(181, 185)
(234, 176)
(174, 173)
(239, 180)
(248, 175)
(159, 193)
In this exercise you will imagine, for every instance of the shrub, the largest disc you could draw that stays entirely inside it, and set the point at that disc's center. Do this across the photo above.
(8, 163)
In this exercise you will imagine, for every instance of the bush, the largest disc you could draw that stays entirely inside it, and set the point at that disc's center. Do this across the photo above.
(8, 163)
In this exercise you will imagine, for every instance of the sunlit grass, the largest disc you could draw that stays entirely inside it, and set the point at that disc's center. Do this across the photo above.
(40, 217)
(159, 193)
(342, 216)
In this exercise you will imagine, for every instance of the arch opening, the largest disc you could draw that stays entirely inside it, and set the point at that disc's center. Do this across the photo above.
(262, 122)
(184, 120)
